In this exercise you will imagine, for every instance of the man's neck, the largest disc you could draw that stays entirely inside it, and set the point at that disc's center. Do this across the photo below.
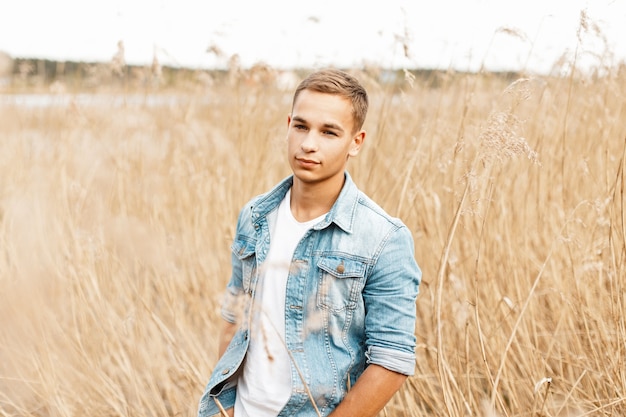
(309, 201)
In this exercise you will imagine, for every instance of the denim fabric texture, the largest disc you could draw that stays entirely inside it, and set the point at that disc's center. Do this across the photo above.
(350, 300)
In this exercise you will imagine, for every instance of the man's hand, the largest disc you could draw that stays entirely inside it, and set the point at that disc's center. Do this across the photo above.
(372, 391)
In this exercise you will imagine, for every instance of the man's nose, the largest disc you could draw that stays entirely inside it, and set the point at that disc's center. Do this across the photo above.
(309, 143)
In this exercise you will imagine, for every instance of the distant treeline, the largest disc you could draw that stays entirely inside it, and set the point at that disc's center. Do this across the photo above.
(73, 73)
(33, 71)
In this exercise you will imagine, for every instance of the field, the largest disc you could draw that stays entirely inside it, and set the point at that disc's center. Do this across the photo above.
(116, 220)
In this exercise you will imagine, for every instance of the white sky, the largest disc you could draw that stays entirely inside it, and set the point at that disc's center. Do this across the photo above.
(460, 34)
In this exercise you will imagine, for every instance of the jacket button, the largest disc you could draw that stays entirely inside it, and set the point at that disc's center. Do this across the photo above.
(340, 268)
(225, 371)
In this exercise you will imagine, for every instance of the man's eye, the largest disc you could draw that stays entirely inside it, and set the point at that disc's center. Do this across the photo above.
(330, 133)
(300, 127)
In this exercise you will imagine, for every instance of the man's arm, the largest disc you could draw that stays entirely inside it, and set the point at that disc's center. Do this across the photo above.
(372, 391)
(226, 335)
(389, 297)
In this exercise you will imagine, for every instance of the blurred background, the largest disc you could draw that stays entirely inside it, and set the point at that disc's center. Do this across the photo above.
(468, 35)
(132, 132)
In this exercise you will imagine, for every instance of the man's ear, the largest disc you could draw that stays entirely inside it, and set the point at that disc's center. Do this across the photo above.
(288, 120)
(357, 142)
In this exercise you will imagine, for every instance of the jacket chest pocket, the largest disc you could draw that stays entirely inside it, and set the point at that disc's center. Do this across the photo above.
(244, 250)
(340, 282)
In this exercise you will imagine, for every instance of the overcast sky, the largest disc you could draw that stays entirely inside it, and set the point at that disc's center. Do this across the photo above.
(462, 34)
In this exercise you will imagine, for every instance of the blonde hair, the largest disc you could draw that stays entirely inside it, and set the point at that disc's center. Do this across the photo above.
(333, 81)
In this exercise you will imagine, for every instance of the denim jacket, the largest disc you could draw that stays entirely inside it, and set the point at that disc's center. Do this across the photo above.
(350, 300)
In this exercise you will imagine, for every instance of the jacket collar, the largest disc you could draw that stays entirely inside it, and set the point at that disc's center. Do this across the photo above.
(341, 213)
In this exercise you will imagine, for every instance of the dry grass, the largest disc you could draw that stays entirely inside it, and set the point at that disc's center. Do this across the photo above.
(116, 220)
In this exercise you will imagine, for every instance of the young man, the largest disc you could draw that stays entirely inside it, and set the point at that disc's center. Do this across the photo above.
(320, 307)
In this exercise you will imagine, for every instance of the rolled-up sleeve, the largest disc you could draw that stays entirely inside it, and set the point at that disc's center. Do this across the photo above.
(389, 295)
(394, 360)
(231, 304)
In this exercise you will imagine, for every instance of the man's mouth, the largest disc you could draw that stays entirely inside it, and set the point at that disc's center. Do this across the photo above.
(307, 161)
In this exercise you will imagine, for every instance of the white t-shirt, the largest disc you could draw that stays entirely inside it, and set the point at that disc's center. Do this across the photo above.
(264, 386)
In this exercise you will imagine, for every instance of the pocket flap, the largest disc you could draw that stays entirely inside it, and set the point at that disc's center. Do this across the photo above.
(341, 267)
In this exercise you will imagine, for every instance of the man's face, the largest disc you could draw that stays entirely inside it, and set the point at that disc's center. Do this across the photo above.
(320, 137)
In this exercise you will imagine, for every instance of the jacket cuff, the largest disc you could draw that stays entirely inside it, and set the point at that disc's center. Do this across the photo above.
(231, 306)
(394, 360)
(229, 315)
